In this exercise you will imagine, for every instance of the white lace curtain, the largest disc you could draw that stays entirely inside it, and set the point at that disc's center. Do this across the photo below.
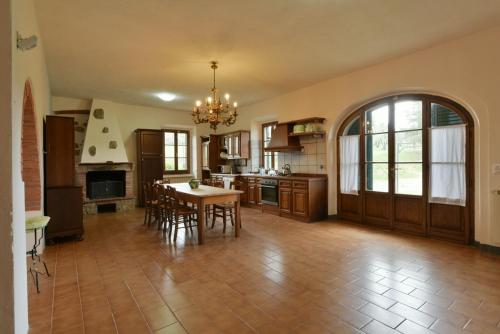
(447, 175)
(349, 164)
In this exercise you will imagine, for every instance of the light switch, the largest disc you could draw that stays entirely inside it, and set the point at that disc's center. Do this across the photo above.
(495, 169)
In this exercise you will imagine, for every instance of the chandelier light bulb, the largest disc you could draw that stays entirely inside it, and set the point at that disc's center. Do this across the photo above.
(235, 104)
(227, 97)
(198, 103)
(209, 99)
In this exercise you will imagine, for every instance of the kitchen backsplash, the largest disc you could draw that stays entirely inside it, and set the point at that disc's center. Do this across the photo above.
(311, 160)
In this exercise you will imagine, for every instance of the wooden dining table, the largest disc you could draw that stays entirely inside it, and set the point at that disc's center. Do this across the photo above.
(206, 195)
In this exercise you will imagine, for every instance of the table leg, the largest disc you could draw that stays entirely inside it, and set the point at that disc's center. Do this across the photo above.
(237, 213)
(201, 221)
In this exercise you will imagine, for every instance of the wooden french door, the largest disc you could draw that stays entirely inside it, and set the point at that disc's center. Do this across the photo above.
(394, 167)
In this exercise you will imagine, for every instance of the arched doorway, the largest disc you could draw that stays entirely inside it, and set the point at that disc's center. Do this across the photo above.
(30, 158)
(405, 162)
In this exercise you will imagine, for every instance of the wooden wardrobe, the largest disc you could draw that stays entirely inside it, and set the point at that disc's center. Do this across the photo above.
(63, 198)
(150, 158)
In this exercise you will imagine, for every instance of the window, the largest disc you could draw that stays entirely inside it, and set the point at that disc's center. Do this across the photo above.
(177, 159)
(269, 159)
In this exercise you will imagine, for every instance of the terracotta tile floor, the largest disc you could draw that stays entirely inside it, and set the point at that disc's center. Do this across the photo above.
(281, 276)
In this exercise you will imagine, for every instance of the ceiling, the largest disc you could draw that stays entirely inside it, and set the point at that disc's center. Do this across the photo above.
(127, 50)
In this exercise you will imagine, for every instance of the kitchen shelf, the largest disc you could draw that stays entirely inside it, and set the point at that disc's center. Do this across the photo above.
(304, 134)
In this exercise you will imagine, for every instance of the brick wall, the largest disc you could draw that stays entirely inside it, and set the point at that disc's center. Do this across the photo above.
(30, 159)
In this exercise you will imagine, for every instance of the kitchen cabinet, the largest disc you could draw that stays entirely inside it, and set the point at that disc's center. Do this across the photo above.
(299, 202)
(236, 144)
(285, 200)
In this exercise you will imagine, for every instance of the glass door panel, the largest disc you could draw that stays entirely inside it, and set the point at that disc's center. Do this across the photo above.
(377, 149)
(408, 148)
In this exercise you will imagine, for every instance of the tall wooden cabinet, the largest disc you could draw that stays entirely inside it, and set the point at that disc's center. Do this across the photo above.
(63, 198)
(150, 158)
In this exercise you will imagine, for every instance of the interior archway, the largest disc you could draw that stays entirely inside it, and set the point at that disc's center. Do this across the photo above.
(30, 157)
(405, 162)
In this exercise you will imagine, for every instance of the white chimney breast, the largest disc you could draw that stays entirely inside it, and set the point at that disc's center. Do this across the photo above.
(101, 142)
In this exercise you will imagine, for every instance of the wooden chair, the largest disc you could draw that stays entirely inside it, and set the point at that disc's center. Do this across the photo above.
(178, 212)
(156, 191)
(147, 189)
(223, 210)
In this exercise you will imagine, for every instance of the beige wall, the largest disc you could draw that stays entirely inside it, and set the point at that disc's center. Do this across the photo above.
(465, 70)
(26, 65)
(6, 256)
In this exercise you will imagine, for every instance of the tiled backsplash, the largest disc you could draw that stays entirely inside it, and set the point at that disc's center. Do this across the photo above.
(311, 160)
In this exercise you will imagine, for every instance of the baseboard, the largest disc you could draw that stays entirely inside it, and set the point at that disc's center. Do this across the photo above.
(333, 217)
(487, 248)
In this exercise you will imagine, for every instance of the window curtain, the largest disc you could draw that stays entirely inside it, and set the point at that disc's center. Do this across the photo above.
(349, 164)
(447, 175)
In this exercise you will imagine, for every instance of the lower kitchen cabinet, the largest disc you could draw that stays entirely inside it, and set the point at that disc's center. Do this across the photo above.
(285, 200)
(300, 202)
(303, 199)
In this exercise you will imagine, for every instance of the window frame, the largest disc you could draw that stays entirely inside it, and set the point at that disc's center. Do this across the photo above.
(177, 171)
(262, 151)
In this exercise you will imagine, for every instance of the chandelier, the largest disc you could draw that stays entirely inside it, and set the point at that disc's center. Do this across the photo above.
(214, 111)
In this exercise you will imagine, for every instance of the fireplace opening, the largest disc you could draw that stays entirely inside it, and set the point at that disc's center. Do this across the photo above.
(105, 184)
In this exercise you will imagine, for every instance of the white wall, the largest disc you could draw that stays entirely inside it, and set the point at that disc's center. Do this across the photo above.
(27, 65)
(132, 117)
(465, 70)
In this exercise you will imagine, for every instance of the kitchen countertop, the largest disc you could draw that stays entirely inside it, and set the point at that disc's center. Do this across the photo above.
(292, 177)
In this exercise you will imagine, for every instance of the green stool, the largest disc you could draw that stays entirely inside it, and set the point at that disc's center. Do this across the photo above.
(34, 224)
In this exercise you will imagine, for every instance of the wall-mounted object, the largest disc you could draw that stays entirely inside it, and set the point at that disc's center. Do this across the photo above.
(99, 113)
(92, 150)
(105, 129)
(113, 144)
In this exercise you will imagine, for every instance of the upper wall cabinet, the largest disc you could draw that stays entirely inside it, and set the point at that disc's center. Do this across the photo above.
(236, 145)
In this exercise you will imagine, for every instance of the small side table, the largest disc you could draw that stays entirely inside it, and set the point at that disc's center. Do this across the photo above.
(34, 224)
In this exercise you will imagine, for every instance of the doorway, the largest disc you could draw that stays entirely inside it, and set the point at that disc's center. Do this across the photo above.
(405, 162)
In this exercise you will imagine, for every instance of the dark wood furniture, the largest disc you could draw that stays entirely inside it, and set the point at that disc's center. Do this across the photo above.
(302, 198)
(64, 206)
(59, 151)
(63, 199)
(150, 158)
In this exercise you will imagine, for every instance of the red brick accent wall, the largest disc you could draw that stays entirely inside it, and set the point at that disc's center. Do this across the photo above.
(31, 166)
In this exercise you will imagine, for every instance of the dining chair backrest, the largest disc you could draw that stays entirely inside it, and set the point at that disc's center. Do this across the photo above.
(157, 191)
(146, 190)
(232, 185)
(171, 194)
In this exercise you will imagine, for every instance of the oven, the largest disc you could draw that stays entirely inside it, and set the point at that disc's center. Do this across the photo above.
(269, 191)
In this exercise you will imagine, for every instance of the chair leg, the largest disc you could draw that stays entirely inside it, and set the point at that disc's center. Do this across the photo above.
(231, 216)
(224, 220)
(175, 232)
(172, 223)
(190, 225)
(207, 214)
(214, 213)
(145, 215)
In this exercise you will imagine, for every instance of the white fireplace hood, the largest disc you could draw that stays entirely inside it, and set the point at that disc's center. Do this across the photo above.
(103, 140)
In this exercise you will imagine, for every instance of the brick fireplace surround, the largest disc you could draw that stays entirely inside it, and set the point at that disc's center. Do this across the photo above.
(125, 203)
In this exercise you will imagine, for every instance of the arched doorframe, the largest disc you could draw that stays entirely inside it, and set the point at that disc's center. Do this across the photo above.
(472, 120)
(30, 152)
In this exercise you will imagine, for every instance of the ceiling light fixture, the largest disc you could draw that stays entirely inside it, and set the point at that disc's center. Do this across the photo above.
(166, 96)
(214, 111)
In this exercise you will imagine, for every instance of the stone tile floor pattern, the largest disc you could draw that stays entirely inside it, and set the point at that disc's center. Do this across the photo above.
(280, 276)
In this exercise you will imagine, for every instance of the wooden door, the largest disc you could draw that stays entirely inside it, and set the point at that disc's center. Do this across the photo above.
(285, 200)
(300, 202)
(60, 151)
(151, 143)
(395, 168)
(150, 158)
